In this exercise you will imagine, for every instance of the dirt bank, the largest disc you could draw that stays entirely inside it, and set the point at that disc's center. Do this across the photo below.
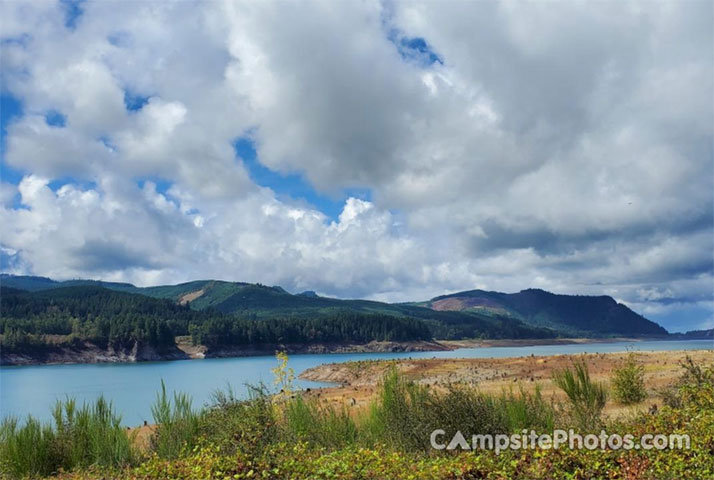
(86, 352)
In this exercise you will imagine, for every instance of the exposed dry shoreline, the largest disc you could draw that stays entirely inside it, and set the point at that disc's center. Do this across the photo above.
(184, 350)
(90, 353)
(357, 382)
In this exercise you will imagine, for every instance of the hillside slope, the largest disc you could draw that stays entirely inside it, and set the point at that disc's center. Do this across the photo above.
(571, 314)
(530, 313)
(260, 302)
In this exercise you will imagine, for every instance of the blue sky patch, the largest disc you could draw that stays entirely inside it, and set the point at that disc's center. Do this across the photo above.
(9, 174)
(417, 49)
(55, 119)
(10, 109)
(414, 49)
(293, 186)
(72, 12)
(162, 185)
(688, 317)
(133, 101)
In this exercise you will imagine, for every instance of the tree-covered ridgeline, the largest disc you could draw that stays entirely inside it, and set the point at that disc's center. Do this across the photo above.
(338, 326)
(120, 320)
(93, 314)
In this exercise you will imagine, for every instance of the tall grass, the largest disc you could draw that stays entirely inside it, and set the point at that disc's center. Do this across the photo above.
(586, 397)
(177, 424)
(27, 450)
(397, 416)
(91, 435)
(306, 420)
(528, 411)
(78, 437)
(404, 414)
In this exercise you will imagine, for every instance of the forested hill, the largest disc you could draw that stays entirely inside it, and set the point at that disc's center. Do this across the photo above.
(472, 314)
(120, 320)
(244, 302)
(570, 314)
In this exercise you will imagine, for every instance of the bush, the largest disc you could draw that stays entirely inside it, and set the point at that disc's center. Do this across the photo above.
(80, 437)
(305, 420)
(587, 398)
(629, 382)
(27, 450)
(405, 414)
(232, 424)
(91, 435)
(177, 424)
(398, 417)
(526, 411)
(694, 387)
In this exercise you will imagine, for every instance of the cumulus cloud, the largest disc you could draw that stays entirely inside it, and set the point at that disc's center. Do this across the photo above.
(505, 146)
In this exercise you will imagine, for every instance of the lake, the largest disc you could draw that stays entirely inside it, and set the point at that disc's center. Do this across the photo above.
(132, 387)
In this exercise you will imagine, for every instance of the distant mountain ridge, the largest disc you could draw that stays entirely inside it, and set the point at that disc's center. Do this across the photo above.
(530, 313)
(571, 314)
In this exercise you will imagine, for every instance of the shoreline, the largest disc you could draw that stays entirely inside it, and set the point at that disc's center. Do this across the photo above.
(354, 384)
(184, 350)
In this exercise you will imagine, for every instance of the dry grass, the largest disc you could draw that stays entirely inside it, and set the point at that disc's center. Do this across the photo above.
(359, 380)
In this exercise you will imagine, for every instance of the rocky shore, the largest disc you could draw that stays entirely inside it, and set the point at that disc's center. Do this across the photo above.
(89, 353)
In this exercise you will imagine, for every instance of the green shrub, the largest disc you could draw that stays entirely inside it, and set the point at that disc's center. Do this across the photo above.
(629, 382)
(398, 416)
(90, 435)
(694, 387)
(528, 411)
(177, 424)
(232, 424)
(306, 420)
(587, 398)
(404, 414)
(27, 450)
(80, 437)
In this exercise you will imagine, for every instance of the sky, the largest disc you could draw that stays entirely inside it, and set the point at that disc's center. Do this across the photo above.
(365, 149)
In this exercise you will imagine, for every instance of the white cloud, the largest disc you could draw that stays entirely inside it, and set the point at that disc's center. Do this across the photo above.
(565, 147)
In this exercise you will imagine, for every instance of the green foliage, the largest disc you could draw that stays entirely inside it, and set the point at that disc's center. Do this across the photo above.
(177, 424)
(284, 375)
(259, 438)
(397, 416)
(629, 381)
(90, 435)
(27, 450)
(333, 327)
(695, 387)
(404, 414)
(587, 398)
(94, 314)
(306, 420)
(528, 411)
(246, 425)
(80, 437)
(231, 314)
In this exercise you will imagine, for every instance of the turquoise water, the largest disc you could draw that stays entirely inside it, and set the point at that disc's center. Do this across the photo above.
(132, 386)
